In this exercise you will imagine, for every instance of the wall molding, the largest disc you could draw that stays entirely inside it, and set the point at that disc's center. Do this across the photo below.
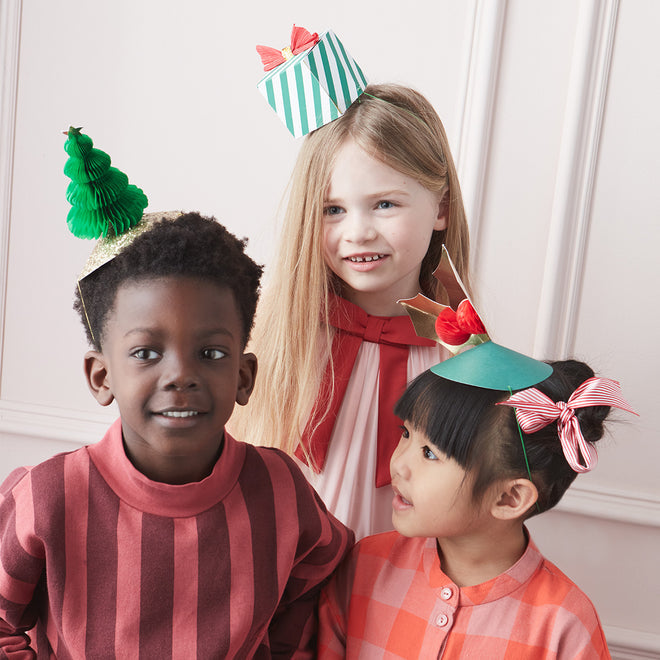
(476, 103)
(10, 39)
(626, 644)
(611, 504)
(80, 428)
(54, 424)
(578, 155)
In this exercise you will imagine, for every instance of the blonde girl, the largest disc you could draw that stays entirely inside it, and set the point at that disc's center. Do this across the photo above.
(308, 400)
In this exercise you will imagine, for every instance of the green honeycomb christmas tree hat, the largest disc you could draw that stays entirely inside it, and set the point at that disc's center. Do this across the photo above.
(103, 202)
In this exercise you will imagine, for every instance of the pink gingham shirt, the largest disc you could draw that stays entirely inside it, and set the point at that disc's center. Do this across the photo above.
(390, 599)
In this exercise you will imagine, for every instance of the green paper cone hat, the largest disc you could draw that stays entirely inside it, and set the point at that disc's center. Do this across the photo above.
(493, 367)
(477, 360)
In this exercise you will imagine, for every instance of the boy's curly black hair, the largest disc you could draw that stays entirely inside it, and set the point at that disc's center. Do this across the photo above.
(189, 246)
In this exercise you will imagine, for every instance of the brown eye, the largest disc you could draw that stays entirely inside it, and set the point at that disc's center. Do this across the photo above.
(428, 453)
(213, 354)
(145, 354)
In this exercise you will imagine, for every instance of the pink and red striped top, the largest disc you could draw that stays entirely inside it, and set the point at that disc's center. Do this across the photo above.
(107, 563)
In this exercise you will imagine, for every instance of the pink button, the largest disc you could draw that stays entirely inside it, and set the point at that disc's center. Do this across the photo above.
(442, 620)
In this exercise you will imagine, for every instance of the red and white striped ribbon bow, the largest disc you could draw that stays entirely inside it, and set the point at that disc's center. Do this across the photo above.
(534, 410)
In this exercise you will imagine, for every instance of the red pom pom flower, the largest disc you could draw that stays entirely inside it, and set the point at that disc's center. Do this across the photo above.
(468, 319)
(456, 327)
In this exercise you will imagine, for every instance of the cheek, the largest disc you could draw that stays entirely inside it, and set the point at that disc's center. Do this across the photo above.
(330, 245)
(329, 238)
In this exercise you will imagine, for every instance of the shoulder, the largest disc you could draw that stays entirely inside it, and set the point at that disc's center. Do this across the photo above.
(390, 546)
(557, 588)
(278, 465)
(574, 615)
(44, 475)
(382, 556)
(272, 474)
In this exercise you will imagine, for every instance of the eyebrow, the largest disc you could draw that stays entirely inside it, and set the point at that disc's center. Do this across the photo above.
(204, 333)
(383, 194)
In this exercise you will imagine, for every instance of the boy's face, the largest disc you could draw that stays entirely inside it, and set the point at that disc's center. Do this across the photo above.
(173, 360)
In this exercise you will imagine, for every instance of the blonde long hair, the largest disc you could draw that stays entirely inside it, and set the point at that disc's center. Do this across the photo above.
(399, 127)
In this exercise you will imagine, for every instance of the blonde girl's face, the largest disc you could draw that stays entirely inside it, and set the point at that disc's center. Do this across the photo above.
(432, 496)
(377, 226)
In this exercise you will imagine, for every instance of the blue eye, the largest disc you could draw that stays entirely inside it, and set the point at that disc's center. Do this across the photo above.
(428, 454)
(213, 354)
(145, 354)
(332, 210)
(385, 205)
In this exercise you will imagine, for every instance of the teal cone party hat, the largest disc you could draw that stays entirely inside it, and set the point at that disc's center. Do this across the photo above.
(477, 360)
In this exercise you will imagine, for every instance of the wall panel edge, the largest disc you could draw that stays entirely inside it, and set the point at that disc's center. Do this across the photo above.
(627, 644)
(10, 38)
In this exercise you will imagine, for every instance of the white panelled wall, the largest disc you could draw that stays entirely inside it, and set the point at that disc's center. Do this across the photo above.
(553, 111)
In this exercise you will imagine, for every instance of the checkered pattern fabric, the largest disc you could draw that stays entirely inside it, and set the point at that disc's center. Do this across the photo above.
(390, 599)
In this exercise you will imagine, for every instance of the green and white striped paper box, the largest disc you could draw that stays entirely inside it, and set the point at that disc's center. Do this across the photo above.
(315, 87)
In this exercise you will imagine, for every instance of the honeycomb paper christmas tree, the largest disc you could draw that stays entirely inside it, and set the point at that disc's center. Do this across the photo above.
(103, 203)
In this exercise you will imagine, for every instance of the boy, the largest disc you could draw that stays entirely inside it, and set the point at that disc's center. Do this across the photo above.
(168, 538)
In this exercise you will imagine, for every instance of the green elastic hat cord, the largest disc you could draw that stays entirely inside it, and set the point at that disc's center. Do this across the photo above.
(522, 442)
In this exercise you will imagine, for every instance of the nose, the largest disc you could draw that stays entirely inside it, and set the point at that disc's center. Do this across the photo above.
(180, 372)
(399, 462)
(360, 227)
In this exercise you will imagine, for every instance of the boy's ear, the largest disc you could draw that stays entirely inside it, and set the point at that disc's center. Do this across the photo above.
(246, 374)
(513, 499)
(96, 373)
(443, 212)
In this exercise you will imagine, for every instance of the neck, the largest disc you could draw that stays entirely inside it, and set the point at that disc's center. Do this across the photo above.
(373, 303)
(174, 470)
(473, 560)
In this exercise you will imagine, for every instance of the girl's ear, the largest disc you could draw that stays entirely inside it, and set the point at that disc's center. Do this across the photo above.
(246, 374)
(96, 372)
(513, 499)
(443, 212)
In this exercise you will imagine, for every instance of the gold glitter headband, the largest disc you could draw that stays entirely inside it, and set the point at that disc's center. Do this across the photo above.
(106, 249)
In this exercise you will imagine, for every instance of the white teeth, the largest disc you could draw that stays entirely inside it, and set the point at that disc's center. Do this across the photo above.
(179, 413)
(359, 260)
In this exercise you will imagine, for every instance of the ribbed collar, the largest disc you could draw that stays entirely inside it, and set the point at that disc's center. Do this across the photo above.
(175, 501)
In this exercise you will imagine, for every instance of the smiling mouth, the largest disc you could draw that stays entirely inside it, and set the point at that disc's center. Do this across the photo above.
(179, 413)
(360, 260)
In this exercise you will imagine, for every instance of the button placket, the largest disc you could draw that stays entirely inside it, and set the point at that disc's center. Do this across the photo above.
(442, 616)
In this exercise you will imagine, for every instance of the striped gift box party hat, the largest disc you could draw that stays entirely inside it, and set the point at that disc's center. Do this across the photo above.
(311, 82)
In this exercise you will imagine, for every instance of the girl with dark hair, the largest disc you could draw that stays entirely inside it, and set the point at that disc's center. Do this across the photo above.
(460, 577)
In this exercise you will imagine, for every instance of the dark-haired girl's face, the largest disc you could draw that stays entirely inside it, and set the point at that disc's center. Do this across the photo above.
(432, 493)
